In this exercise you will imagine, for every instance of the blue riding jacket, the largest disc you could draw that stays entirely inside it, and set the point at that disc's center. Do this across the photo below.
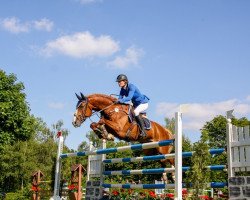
(132, 93)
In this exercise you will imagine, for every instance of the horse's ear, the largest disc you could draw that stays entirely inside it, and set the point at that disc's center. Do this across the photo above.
(78, 97)
(83, 97)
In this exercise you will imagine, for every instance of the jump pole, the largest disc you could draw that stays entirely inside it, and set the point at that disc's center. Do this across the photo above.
(178, 156)
(58, 168)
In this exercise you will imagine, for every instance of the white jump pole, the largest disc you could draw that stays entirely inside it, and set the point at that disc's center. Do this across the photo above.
(178, 156)
(58, 168)
(229, 142)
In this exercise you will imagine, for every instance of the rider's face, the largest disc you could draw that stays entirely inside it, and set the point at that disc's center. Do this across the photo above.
(122, 83)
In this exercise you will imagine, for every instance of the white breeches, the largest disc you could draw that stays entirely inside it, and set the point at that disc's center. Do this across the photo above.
(142, 107)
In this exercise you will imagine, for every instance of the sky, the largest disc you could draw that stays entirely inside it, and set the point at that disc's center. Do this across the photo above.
(191, 56)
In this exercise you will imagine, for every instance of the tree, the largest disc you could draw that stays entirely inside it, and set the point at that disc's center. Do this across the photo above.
(16, 123)
(216, 130)
(19, 160)
(170, 124)
(198, 175)
(58, 126)
(242, 122)
(43, 133)
(186, 147)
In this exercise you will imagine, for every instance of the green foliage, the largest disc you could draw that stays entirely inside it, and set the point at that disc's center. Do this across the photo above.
(198, 175)
(186, 147)
(26, 142)
(93, 138)
(242, 122)
(24, 194)
(15, 121)
(21, 159)
(186, 143)
(216, 130)
(59, 127)
(170, 124)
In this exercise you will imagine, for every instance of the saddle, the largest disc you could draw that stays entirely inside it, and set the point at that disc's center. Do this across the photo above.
(131, 117)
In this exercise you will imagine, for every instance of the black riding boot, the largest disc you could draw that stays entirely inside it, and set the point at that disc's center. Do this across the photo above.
(141, 124)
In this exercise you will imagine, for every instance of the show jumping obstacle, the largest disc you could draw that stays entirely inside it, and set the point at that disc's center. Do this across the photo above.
(97, 161)
(117, 120)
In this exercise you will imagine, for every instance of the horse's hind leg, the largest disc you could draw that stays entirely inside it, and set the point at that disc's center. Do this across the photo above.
(167, 150)
(167, 177)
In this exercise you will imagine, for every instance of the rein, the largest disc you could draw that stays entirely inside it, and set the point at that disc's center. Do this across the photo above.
(95, 112)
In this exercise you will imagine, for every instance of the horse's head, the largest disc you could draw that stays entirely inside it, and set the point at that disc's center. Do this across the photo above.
(83, 110)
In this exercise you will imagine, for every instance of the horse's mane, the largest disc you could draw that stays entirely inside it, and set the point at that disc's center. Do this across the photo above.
(108, 97)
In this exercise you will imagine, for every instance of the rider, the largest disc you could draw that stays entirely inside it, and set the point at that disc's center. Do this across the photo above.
(130, 92)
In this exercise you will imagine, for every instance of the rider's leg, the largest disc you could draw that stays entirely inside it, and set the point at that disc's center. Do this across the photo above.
(138, 109)
(140, 123)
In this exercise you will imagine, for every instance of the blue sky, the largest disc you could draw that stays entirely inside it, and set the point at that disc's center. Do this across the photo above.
(190, 53)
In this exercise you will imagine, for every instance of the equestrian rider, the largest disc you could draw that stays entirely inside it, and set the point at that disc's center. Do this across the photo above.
(130, 92)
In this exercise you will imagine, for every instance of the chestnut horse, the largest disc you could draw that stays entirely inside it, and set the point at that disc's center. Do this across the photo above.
(114, 122)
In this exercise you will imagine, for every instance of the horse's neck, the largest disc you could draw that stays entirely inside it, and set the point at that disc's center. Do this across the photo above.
(99, 102)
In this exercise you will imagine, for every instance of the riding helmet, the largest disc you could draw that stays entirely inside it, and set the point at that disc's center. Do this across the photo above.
(121, 77)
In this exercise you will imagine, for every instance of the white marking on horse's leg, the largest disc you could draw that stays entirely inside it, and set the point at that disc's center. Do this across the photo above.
(173, 173)
(164, 177)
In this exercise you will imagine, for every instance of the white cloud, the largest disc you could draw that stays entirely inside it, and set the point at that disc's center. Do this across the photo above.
(82, 45)
(248, 98)
(56, 105)
(196, 114)
(43, 24)
(14, 25)
(130, 58)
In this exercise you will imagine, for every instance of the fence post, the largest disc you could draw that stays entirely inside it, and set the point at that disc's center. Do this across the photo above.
(178, 156)
(58, 167)
(229, 136)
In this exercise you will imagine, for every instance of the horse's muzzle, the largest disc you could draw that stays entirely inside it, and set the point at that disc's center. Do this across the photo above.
(76, 125)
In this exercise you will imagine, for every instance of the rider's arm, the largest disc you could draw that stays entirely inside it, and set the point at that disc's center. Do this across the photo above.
(121, 94)
(130, 95)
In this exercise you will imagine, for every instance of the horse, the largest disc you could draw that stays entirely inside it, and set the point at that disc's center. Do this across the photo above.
(114, 122)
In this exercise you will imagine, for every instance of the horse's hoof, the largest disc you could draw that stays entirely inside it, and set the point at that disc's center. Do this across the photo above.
(110, 137)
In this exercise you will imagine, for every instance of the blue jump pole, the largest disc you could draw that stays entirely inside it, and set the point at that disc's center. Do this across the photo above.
(158, 157)
(158, 170)
(120, 149)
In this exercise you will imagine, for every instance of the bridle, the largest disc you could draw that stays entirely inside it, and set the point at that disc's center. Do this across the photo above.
(82, 117)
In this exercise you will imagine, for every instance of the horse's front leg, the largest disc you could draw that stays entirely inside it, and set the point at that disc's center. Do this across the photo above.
(100, 130)
(95, 127)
